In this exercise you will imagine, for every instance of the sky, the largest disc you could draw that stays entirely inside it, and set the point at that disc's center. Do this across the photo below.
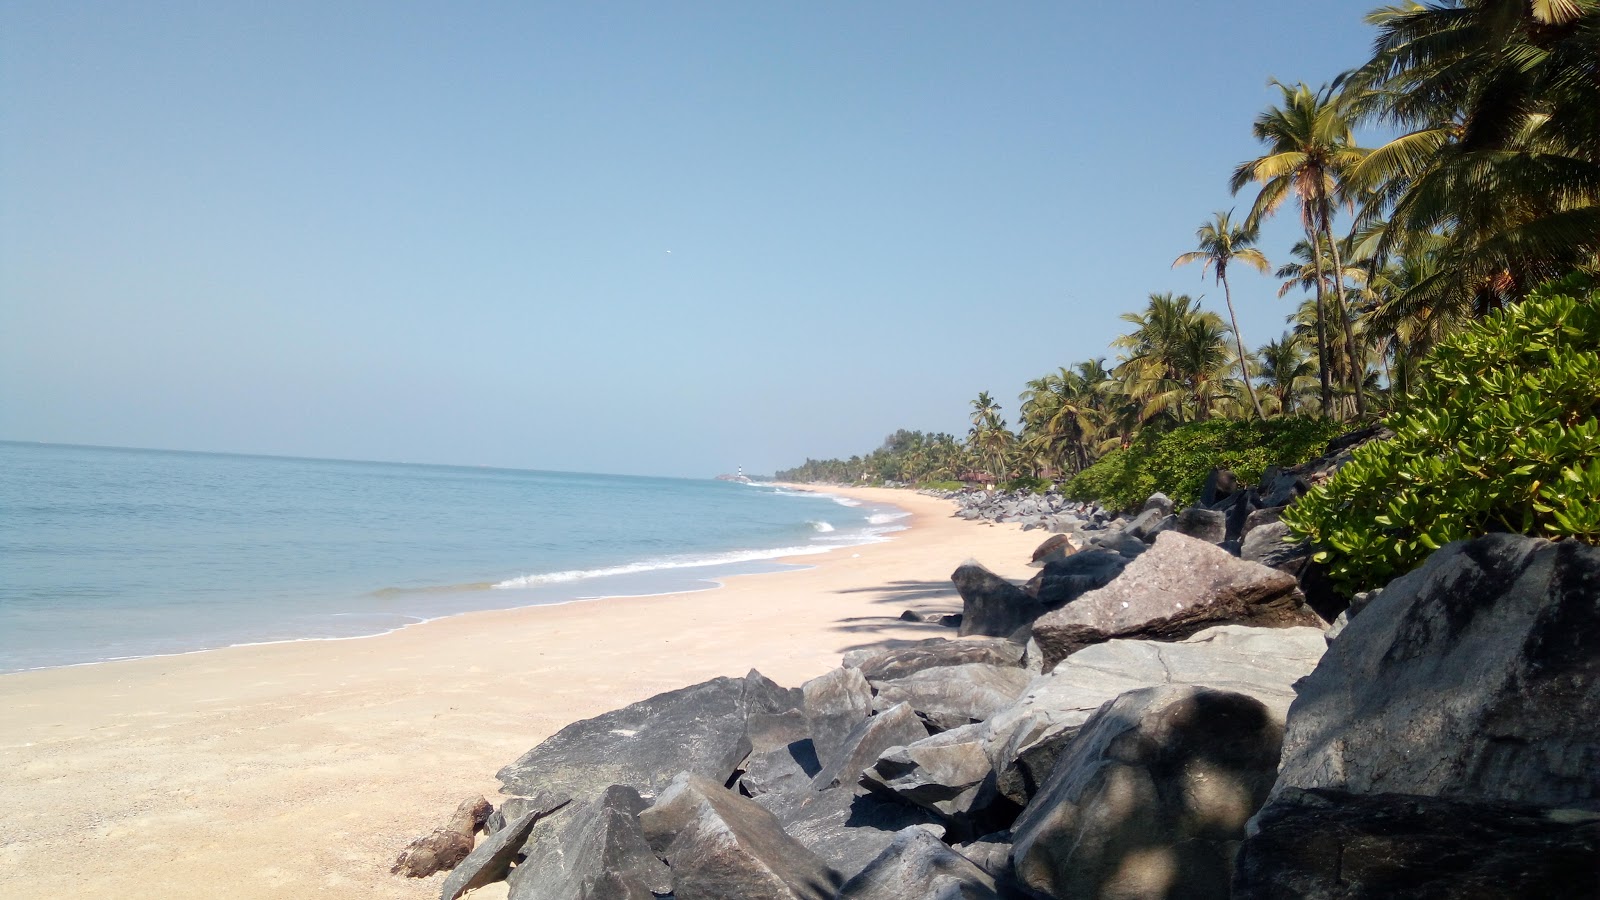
(662, 238)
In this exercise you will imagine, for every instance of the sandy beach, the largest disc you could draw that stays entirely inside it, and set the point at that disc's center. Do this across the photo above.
(300, 769)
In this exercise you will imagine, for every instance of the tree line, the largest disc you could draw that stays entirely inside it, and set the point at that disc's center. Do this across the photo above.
(1491, 188)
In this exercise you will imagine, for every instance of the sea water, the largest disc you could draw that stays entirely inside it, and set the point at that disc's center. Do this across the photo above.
(114, 553)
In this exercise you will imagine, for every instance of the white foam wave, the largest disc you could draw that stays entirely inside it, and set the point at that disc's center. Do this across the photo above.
(886, 518)
(652, 565)
(822, 527)
(842, 501)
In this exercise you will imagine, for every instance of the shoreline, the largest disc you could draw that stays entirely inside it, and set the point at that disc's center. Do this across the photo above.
(303, 766)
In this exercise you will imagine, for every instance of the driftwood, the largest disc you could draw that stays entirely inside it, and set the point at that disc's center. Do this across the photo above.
(442, 849)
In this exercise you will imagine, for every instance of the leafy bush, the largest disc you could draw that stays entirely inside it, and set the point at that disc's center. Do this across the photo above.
(1176, 462)
(941, 485)
(1026, 483)
(1502, 436)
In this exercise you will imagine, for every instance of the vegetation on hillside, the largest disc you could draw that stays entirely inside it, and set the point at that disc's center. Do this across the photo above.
(1491, 187)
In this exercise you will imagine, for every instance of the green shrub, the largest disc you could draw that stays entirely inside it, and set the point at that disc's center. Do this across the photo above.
(941, 485)
(1176, 462)
(1501, 436)
(1026, 483)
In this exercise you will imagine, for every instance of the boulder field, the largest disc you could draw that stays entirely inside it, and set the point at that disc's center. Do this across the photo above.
(1155, 715)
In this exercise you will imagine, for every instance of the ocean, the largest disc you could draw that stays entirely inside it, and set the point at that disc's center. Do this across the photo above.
(116, 553)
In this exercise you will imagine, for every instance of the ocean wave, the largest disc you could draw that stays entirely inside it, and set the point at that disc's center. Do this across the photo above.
(821, 527)
(842, 501)
(886, 518)
(653, 565)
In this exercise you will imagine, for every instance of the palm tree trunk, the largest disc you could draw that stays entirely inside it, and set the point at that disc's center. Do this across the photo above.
(1356, 369)
(1322, 331)
(1244, 372)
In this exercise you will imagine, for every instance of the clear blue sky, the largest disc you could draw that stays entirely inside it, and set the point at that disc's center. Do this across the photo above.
(655, 238)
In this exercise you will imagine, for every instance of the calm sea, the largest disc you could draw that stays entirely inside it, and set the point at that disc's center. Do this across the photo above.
(111, 553)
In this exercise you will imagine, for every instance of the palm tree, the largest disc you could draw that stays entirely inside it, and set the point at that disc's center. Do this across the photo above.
(1170, 354)
(1285, 370)
(1502, 152)
(1222, 242)
(1310, 147)
(989, 438)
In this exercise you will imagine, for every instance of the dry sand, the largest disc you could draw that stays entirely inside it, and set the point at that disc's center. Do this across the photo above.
(300, 769)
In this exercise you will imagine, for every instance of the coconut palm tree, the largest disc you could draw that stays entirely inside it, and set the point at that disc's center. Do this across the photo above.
(1310, 147)
(989, 438)
(1222, 242)
(1168, 354)
(1286, 371)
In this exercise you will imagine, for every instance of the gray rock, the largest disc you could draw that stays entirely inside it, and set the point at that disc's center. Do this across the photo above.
(991, 853)
(1158, 501)
(1219, 484)
(1202, 524)
(991, 605)
(941, 774)
(726, 847)
(952, 696)
(918, 866)
(1151, 798)
(773, 731)
(787, 768)
(597, 850)
(1121, 543)
(835, 703)
(1332, 845)
(700, 729)
(513, 808)
(1057, 546)
(938, 653)
(1142, 526)
(1259, 517)
(1475, 676)
(847, 826)
(896, 726)
(1181, 586)
(1265, 545)
(491, 860)
(1066, 580)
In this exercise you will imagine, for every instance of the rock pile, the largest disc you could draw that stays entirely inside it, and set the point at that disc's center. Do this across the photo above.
(1049, 511)
(1150, 716)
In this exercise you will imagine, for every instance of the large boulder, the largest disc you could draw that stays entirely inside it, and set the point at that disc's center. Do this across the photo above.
(1066, 580)
(918, 866)
(1203, 524)
(1151, 798)
(952, 696)
(1332, 845)
(834, 703)
(1159, 502)
(1056, 546)
(848, 826)
(491, 860)
(942, 773)
(699, 729)
(896, 726)
(1220, 483)
(991, 605)
(595, 850)
(1181, 586)
(938, 653)
(726, 847)
(1475, 676)
(1265, 544)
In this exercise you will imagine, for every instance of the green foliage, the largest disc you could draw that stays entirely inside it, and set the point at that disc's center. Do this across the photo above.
(1176, 462)
(1026, 483)
(941, 485)
(1502, 436)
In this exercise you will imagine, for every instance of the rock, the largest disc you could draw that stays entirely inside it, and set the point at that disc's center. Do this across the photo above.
(787, 768)
(441, 849)
(1180, 587)
(1219, 484)
(1160, 502)
(726, 847)
(1066, 580)
(1056, 546)
(952, 696)
(1121, 543)
(991, 853)
(847, 826)
(491, 860)
(1264, 545)
(1259, 517)
(896, 726)
(700, 729)
(1326, 844)
(773, 731)
(513, 808)
(1142, 526)
(941, 773)
(1475, 676)
(991, 605)
(1238, 513)
(1025, 739)
(1151, 797)
(599, 850)
(918, 866)
(1202, 524)
(939, 653)
(835, 703)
